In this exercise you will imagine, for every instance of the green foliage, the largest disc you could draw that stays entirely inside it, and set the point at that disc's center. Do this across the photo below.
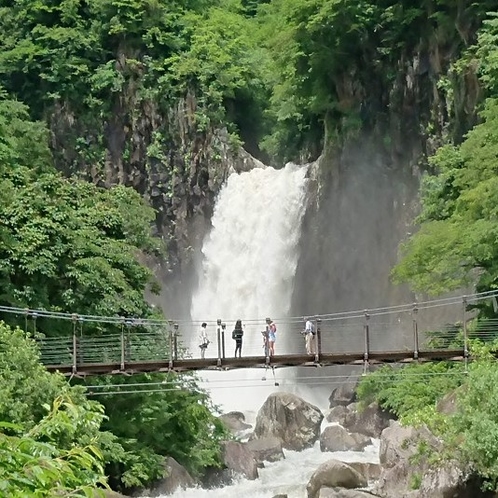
(33, 464)
(487, 54)
(25, 386)
(332, 58)
(177, 422)
(472, 433)
(66, 244)
(408, 391)
(459, 226)
(50, 438)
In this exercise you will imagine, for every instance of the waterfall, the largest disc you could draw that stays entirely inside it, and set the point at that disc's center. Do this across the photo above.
(249, 260)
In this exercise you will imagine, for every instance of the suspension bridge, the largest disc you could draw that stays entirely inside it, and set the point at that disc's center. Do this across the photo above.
(425, 331)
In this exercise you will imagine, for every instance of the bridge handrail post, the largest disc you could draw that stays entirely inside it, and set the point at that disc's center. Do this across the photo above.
(218, 339)
(366, 331)
(223, 327)
(122, 344)
(465, 332)
(75, 345)
(170, 349)
(267, 345)
(415, 331)
(318, 339)
(175, 342)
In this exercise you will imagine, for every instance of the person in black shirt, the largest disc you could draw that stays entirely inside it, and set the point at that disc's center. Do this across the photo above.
(237, 334)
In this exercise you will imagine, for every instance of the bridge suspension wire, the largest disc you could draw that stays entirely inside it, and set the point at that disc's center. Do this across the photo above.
(328, 380)
(354, 314)
(284, 382)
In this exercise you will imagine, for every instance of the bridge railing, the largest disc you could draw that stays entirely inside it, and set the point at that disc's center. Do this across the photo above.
(412, 328)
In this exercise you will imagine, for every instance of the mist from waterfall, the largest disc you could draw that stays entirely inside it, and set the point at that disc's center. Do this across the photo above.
(249, 261)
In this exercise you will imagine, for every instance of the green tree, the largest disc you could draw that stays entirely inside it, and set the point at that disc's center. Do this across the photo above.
(455, 245)
(50, 437)
(176, 421)
(67, 245)
(25, 386)
(39, 469)
(472, 434)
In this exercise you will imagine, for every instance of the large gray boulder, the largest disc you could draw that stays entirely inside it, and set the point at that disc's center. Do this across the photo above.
(334, 474)
(345, 493)
(445, 481)
(397, 447)
(401, 473)
(398, 443)
(289, 418)
(266, 449)
(175, 477)
(338, 414)
(370, 421)
(234, 422)
(336, 438)
(344, 394)
(369, 470)
(238, 458)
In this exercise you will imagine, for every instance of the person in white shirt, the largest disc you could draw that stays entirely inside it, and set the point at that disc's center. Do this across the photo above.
(203, 339)
(309, 336)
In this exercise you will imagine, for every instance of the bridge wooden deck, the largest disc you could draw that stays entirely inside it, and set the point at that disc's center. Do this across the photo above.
(278, 361)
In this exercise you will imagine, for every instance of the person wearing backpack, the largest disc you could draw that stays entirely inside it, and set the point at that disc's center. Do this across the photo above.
(237, 335)
(203, 339)
(309, 336)
(272, 335)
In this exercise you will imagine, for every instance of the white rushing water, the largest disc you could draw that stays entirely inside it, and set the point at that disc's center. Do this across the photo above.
(288, 476)
(249, 262)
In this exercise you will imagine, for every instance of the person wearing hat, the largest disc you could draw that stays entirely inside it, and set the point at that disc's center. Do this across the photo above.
(272, 335)
(203, 339)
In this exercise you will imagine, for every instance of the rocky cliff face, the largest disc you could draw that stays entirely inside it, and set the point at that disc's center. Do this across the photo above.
(177, 165)
(365, 184)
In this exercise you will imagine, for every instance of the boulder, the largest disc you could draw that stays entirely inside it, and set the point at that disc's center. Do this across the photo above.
(400, 473)
(238, 458)
(338, 414)
(345, 394)
(399, 443)
(448, 480)
(107, 493)
(266, 449)
(336, 438)
(370, 471)
(345, 493)
(214, 478)
(291, 419)
(176, 476)
(370, 421)
(235, 422)
(333, 474)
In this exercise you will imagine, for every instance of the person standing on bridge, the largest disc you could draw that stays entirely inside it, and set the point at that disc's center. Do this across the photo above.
(272, 335)
(203, 339)
(237, 335)
(309, 336)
